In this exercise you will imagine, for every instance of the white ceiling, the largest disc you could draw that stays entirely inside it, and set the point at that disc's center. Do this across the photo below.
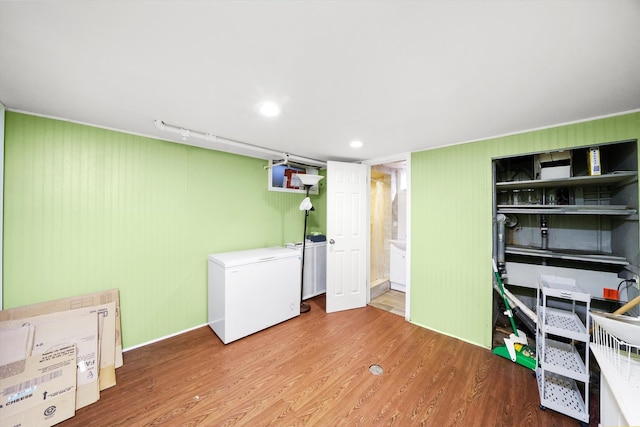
(398, 75)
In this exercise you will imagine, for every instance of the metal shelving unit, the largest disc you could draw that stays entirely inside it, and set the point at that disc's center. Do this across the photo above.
(563, 347)
(588, 209)
(554, 214)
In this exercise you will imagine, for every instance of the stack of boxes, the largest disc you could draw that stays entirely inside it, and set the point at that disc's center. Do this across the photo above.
(56, 357)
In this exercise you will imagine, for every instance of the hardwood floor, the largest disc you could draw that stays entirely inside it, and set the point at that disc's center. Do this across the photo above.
(314, 370)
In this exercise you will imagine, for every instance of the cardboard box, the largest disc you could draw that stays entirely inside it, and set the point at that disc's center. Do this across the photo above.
(40, 390)
(79, 327)
(15, 345)
(106, 337)
(110, 337)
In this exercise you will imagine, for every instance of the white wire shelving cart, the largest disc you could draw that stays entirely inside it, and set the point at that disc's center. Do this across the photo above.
(563, 347)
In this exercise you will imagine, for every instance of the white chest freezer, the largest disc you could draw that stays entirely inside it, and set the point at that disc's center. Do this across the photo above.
(248, 291)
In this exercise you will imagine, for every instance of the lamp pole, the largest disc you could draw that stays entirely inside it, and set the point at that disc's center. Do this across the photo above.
(307, 181)
(304, 307)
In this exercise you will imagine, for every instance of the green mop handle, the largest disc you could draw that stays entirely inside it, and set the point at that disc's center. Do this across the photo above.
(504, 297)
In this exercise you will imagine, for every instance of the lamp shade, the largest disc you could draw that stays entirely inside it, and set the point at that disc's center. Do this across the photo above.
(308, 179)
(305, 205)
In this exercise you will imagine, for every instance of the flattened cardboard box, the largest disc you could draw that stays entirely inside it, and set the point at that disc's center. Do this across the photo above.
(111, 337)
(79, 327)
(39, 390)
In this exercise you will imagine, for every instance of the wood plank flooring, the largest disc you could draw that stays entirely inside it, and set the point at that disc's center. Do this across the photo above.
(314, 370)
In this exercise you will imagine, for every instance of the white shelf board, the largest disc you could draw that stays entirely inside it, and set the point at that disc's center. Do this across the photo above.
(561, 394)
(563, 359)
(575, 181)
(568, 255)
(563, 323)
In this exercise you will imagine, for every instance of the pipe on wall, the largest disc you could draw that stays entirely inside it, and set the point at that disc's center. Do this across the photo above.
(188, 133)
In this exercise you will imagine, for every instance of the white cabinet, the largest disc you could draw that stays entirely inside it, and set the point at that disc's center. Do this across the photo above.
(315, 267)
(562, 347)
(248, 291)
(282, 177)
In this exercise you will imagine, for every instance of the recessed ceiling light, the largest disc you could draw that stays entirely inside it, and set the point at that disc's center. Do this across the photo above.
(269, 109)
(355, 144)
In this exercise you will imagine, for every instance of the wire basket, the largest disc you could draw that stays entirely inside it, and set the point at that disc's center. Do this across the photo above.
(619, 362)
(624, 358)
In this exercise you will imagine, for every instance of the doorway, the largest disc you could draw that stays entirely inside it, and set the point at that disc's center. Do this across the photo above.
(389, 236)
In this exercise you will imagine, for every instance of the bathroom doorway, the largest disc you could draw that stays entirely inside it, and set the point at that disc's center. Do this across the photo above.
(389, 235)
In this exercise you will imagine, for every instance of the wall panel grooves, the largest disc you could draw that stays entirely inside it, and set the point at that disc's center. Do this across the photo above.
(451, 279)
(88, 209)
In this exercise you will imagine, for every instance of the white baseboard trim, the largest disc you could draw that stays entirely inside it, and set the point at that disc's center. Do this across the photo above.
(162, 338)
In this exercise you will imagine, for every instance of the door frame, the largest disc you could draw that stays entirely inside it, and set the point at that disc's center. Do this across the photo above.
(402, 157)
(2, 126)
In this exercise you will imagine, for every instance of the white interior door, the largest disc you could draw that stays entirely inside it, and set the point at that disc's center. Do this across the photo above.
(347, 220)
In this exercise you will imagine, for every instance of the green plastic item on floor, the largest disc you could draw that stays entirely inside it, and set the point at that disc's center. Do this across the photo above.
(515, 347)
(524, 356)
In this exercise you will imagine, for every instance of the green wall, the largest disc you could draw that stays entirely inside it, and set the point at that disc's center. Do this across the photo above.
(451, 214)
(88, 209)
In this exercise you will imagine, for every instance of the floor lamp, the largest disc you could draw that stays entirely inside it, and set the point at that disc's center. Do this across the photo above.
(308, 181)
